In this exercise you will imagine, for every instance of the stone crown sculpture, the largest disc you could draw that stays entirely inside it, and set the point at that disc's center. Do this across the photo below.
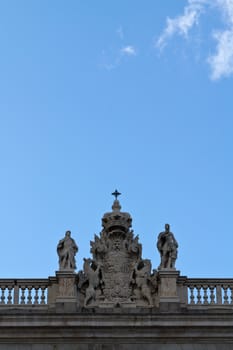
(116, 220)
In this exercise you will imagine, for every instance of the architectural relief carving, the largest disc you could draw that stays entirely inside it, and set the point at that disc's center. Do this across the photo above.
(142, 280)
(93, 276)
(167, 246)
(66, 287)
(117, 275)
(66, 250)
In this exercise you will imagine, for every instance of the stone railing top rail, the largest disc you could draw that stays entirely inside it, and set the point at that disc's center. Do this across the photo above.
(23, 281)
(204, 281)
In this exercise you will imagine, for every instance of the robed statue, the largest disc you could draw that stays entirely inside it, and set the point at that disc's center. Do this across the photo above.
(66, 250)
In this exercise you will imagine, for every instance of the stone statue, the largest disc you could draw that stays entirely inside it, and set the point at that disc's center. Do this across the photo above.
(135, 247)
(66, 250)
(98, 247)
(141, 279)
(167, 246)
(93, 276)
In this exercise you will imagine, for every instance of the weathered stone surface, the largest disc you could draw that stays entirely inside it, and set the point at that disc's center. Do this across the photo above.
(167, 247)
(133, 346)
(67, 289)
(117, 302)
(66, 250)
(117, 275)
(117, 328)
(168, 285)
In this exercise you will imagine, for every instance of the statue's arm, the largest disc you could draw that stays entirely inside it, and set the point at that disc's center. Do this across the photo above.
(60, 244)
(175, 241)
(159, 241)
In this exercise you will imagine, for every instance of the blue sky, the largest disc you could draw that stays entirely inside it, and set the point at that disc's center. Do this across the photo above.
(129, 95)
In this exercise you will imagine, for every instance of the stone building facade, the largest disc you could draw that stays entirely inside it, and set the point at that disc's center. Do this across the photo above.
(117, 301)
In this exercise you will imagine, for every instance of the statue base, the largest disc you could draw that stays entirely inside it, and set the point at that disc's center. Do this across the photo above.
(67, 287)
(168, 286)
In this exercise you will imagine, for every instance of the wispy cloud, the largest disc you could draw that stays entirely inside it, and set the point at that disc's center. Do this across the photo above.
(115, 55)
(221, 61)
(113, 60)
(181, 24)
(128, 50)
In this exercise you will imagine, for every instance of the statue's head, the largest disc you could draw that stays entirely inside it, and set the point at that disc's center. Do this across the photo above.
(167, 227)
(68, 233)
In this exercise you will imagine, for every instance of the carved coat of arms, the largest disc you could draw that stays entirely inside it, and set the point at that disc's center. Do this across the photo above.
(117, 274)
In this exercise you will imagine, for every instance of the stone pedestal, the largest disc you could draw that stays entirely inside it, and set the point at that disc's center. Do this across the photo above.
(67, 287)
(168, 286)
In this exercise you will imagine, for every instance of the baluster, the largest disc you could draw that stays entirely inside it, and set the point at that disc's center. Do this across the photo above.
(198, 295)
(225, 296)
(9, 297)
(42, 300)
(219, 294)
(231, 296)
(191, 288)
(13, 293)
(36, 299)
(29, 300)
(212, 295)
(22, 299)
(16, 294)
(3, 295)
(205, 296)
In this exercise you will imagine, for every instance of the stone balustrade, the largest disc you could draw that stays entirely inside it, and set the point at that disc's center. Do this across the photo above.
(23, 292)
(209, 292)
(193, 292)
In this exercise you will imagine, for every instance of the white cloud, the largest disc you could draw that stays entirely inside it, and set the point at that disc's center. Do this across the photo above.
(114, 59)
(221, 62)
(128, 51)
(227, 8)
(182, 24)
(116, 54)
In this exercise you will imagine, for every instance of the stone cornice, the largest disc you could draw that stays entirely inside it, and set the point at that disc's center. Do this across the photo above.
(120, 327)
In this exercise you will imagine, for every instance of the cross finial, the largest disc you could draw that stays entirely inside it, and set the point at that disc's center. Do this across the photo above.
(116, 194)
